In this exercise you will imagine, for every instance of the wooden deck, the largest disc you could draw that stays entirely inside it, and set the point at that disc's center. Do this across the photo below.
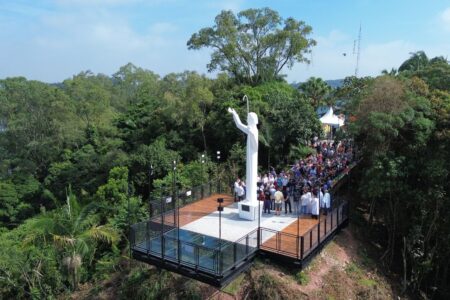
(196, 210)
(288, 241)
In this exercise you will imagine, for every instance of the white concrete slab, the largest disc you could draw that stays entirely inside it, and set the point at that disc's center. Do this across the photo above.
(234, 227)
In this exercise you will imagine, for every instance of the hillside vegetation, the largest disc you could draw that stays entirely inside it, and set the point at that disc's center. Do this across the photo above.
(79, 161)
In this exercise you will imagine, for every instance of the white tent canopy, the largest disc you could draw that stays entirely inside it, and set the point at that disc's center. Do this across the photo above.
(329, 118)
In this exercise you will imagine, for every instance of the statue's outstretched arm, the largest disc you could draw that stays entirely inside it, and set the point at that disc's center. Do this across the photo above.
(237, 121)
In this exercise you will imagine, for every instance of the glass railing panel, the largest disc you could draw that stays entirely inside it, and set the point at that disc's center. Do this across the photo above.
(207, 259)
(188, 253)
(226, 256)
(170, 248)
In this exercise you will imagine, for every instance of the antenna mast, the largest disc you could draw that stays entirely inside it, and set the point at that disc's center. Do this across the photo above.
(359, 51)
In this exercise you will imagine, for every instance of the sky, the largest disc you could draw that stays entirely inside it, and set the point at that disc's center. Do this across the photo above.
(52, 40)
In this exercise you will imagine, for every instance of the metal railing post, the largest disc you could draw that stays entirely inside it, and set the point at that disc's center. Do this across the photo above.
(147, 236)
(246, 244)
(302, 247)
(337, 215)
(331, 220)
(197, 260)
(234, 254)
(318, 233)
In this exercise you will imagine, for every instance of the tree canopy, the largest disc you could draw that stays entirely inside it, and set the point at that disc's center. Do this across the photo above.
(255, 45)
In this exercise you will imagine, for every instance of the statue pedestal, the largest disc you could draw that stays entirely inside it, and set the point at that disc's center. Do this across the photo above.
(248, 210)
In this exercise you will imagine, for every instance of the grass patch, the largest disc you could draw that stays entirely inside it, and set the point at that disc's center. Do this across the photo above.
(367, 282)
(233, 287)
(302, 278)
(353, 270)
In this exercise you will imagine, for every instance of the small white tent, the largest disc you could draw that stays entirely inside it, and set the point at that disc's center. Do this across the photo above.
(329, 119)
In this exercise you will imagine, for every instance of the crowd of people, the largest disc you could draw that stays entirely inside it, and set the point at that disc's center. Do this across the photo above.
(305, 187)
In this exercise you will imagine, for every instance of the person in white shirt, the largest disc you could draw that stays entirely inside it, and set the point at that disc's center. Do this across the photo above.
(304, 200)
(308, 201)
(265, 179)
(315, 206)
(326, 202)
(236, 189)
(240, 191)
(320, 198)
(272, 191)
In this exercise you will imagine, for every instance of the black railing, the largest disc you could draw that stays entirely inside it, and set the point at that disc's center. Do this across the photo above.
(299, 246)
(217, 258)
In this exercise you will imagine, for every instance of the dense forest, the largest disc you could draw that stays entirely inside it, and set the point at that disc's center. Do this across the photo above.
(80, 159)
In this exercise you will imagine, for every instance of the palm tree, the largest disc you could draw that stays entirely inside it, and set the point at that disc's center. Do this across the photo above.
(316, 91)
(75, 232)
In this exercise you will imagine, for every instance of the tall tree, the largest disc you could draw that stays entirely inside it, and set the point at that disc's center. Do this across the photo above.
(316, 91)
(76, 233)
(254, 45)
(417, 61)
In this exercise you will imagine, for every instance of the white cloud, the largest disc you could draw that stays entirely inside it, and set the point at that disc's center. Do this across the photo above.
(162, 28)
(445, 19)
(95, 2)
(233, 5)
(329, 61)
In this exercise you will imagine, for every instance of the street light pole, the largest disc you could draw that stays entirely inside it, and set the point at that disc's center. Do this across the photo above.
(217, 171)
(150, 178)
(245, 98)
(220, 209)
(203, 173)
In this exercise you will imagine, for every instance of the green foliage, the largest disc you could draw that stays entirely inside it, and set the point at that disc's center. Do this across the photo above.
(266, 286)
(128, 212)
(27, 272)
(317, 92)
(234, 286)
(115, 191)
(417, 61)
(11, 208)
(302, 278)
(401, 125)
(354, 270)
(144, 283)
(254, 45)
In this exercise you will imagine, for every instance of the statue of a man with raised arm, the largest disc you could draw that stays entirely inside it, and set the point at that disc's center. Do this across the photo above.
(249, 211)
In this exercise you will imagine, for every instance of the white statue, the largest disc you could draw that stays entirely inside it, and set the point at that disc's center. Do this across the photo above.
(252, 153)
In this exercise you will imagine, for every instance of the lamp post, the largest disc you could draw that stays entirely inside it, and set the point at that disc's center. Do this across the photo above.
(203, 173)
(220, 209)
(217, 171)
(245, 98)
(129, 216)
(150, 178)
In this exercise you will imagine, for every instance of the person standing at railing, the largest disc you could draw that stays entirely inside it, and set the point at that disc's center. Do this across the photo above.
(315, 205)
(305, 201)
(326, 202)
(278, 201)
(240, 192)
(272, 191)
(236, 189)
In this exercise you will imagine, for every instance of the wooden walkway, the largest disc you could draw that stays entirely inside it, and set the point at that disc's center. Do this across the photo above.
(194, 211)
(288, 241)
